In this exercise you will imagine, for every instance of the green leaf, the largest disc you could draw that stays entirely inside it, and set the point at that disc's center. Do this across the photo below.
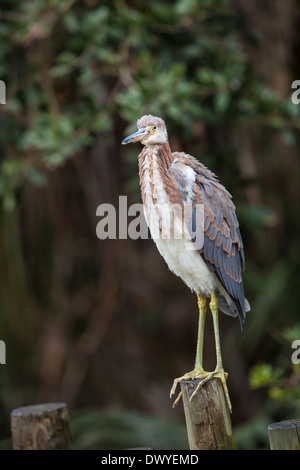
(263, 374)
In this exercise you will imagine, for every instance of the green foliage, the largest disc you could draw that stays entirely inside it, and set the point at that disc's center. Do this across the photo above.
(264, 374)
(252, 435)
(78, 65)
(283, 389)
(123, 429)
(281, 381)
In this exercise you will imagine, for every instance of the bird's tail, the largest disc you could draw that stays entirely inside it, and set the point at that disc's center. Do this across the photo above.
(232, 307)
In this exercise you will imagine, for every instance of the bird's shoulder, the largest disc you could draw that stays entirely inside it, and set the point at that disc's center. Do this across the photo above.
(206, 182)
(182, 158)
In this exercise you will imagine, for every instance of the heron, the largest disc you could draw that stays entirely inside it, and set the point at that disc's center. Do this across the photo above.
(213, 269)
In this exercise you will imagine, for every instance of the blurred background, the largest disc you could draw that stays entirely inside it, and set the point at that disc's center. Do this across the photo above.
(102, 324)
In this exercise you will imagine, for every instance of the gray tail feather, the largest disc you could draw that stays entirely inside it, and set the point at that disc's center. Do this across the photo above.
(233, 309)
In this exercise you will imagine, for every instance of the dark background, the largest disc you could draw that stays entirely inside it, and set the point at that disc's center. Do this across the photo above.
(102, 324)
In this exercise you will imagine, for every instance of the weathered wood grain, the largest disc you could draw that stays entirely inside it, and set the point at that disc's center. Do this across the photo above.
(41, 427)
(207, 416)
(285, 435)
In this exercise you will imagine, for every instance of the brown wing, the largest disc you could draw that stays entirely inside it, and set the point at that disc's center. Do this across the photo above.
(222, 249)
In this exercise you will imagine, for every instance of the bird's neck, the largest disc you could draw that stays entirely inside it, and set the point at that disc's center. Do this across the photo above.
(160, 152)
(157, 185)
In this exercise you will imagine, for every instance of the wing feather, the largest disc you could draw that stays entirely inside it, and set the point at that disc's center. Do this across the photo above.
(223, 249)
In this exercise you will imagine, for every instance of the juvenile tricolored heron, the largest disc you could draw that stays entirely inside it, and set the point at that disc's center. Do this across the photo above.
(213, 269)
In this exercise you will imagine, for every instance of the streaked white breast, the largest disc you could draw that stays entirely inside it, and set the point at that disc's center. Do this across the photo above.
(178, 253)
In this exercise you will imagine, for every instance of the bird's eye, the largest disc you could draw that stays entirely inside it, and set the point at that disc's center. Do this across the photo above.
(154, 128)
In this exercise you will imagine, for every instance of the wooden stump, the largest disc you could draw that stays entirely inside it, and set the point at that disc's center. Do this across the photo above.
(207, 416)
(285, 435)
(41, 427)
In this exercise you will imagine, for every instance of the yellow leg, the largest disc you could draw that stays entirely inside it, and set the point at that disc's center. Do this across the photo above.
(219, 370)
(199, 372)
(202, 315)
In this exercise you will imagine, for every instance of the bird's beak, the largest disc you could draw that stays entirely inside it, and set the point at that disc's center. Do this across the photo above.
(137, 136)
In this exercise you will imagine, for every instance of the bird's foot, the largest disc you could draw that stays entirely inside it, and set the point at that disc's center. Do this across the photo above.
(200, 374)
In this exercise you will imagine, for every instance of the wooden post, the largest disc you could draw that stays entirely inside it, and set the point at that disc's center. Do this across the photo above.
(41, 427)
(207, 416)
(285, 435)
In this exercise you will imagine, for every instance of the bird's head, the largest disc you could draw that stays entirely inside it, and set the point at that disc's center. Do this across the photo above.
(151, 131)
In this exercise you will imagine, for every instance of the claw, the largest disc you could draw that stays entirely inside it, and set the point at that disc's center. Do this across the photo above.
(200, 374)
(177, 399)
(187, 376)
